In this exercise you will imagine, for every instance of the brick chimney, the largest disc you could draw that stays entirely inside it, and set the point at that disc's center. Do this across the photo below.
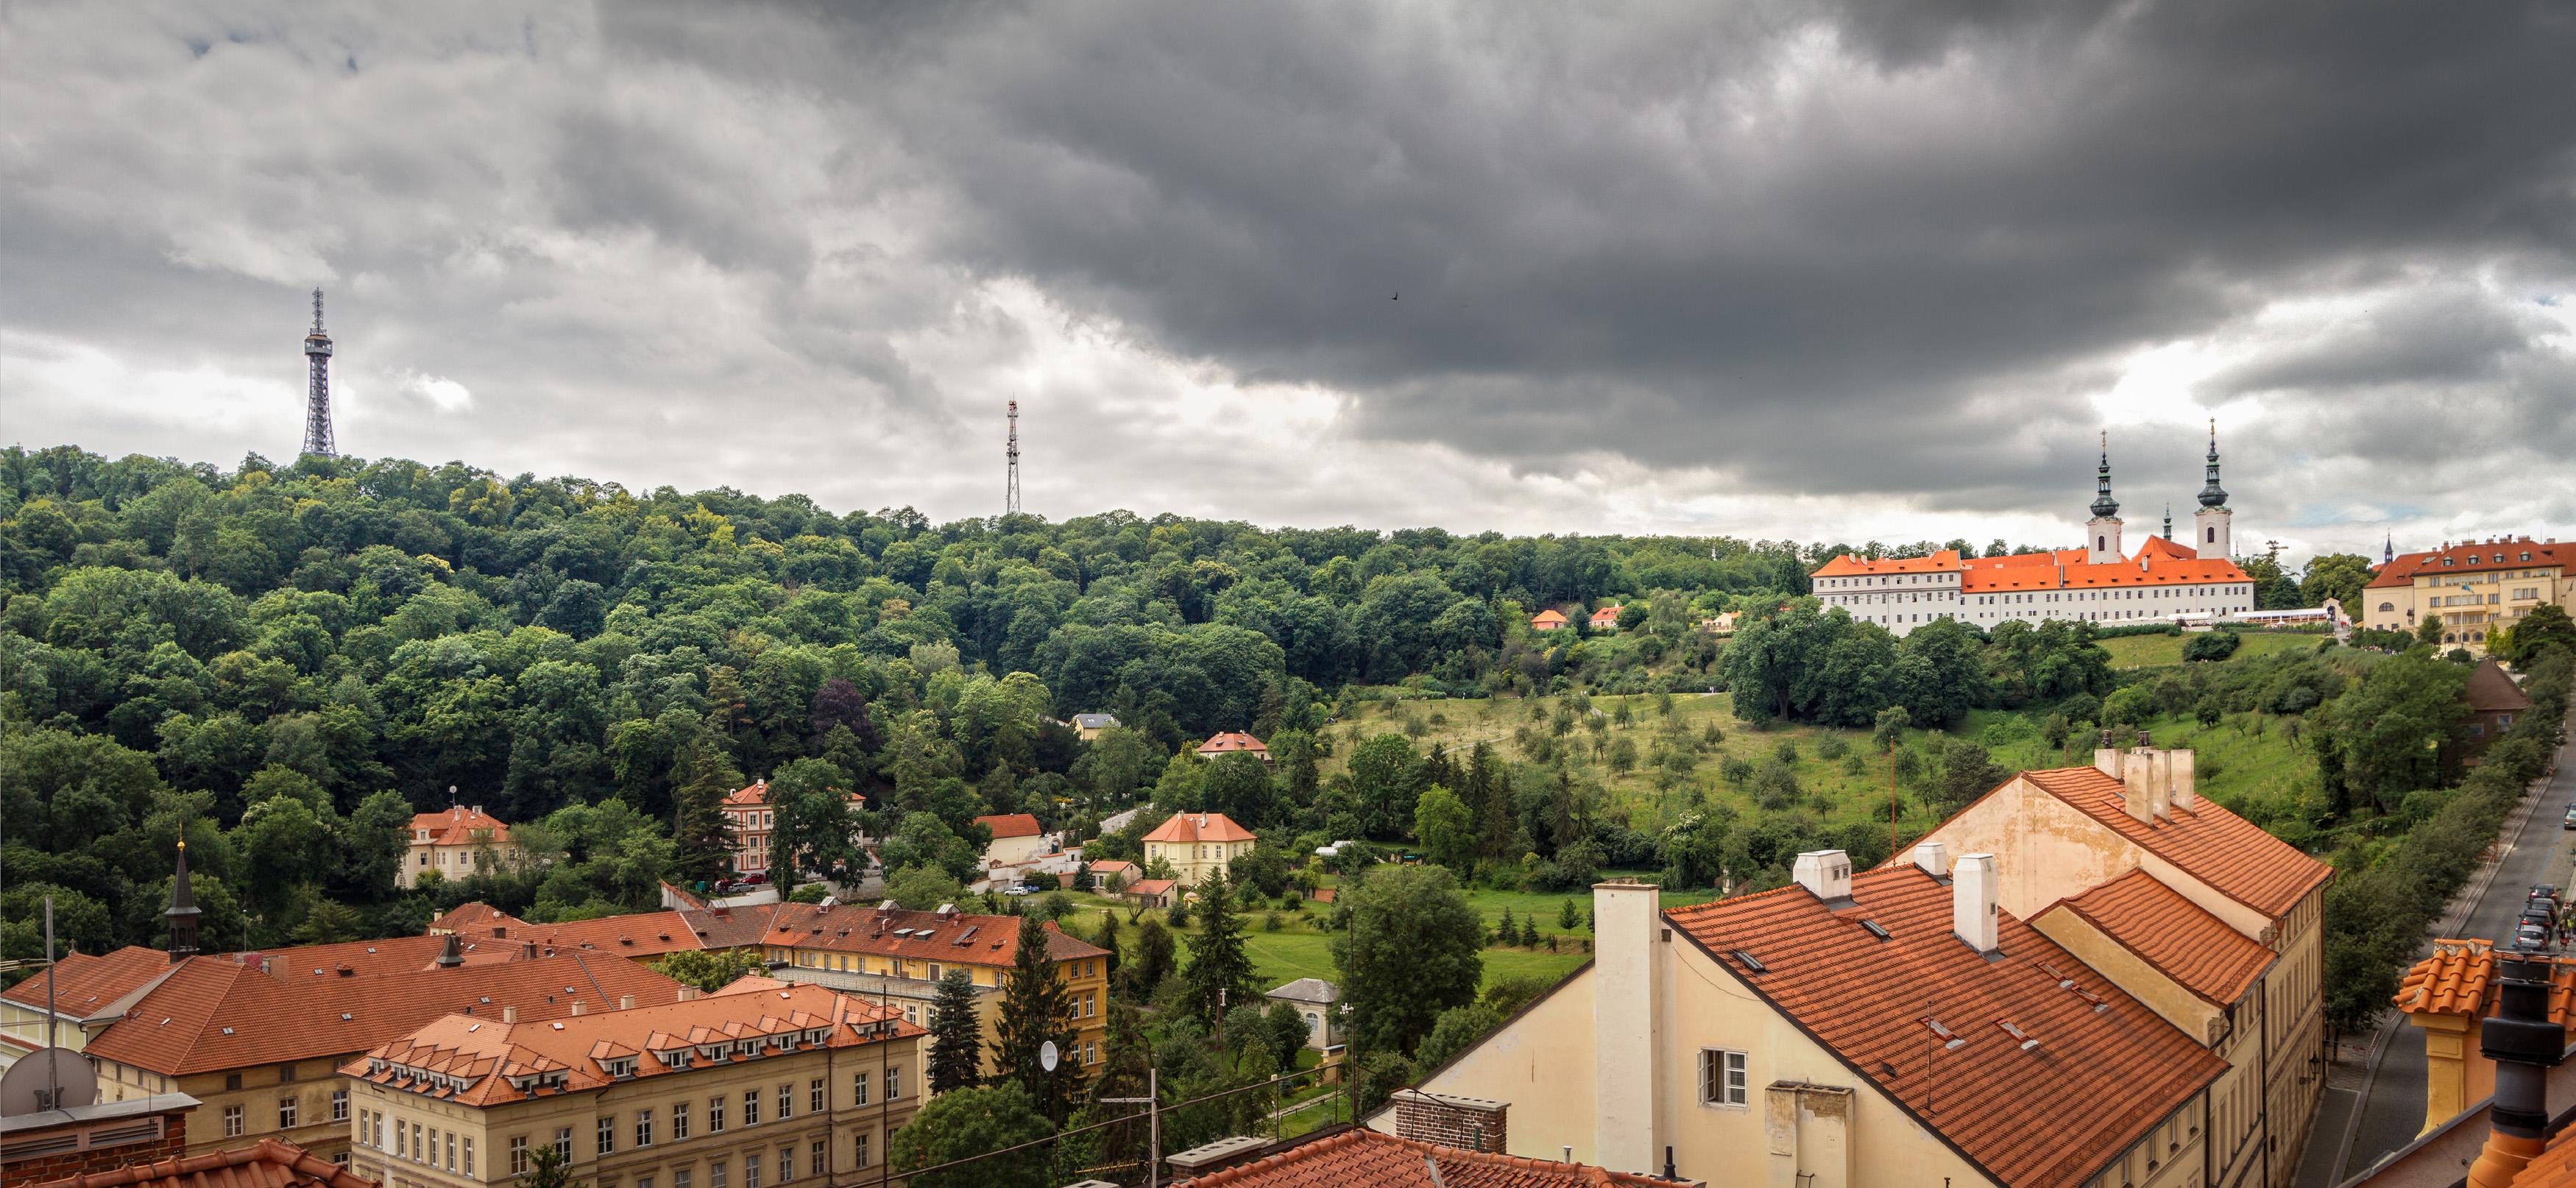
(1626, 1025)
(1972, 901)
(1827, 873)
(1934, 858)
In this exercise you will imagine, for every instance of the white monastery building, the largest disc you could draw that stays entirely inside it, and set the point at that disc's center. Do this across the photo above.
(2101, 582)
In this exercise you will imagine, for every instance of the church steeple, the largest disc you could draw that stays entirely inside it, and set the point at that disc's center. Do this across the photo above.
(2169, 519)
(2104, 507)
(183, 910)
(2388, 549)
(2211, 494)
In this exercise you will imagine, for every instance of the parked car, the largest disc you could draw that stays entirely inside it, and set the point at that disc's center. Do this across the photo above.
(755, 878)
(2531, 936)
(2570, 821)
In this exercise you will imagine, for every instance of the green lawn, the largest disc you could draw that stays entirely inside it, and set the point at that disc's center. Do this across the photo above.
(2152, 651)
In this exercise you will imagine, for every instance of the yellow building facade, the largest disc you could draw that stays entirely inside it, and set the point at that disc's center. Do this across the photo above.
(1198, 845)
(2471, 589)
(897, 957)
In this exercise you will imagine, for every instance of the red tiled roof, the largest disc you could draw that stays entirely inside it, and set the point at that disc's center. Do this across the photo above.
(1150, 887)
(2166, 549)
(2003, 1106)
(2472, 558)
(2156, 573)
(485, 1053)
(457, 825)
(636, 934)
(1110, 865)
(1364, 1158)
(2173, 934)
(1232, 740)
(986, 940)
(476, 916)
(2554, 1167)
(85, 984)
(2489, 690)
(2460, 979)
(756, 793)
(215, 1013)
(1851, 564)
(1010, 825)
(1550, 617)
(2226, 851)
(268, 1163)
(1199, 827)
(1607, 614)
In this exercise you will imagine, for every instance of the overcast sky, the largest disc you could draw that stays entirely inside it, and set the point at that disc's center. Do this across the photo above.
(1773, 269)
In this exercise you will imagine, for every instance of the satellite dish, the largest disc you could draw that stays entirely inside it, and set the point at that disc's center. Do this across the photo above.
(1046, 1060)
(26, 1087)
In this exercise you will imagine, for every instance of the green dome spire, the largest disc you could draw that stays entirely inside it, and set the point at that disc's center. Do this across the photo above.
(2212, 495)
(2104, 507)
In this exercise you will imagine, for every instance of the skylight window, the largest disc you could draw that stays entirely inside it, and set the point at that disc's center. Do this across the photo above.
(1876, 930)
(2019, 1036)
(1951, 1041)
(1749, 960)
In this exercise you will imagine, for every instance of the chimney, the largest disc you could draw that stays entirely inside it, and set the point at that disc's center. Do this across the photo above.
(528, 949)
(1933, 857)
(2159, 780)
(2186, 794)
(509, 1014)
(1627, 953)
(2524, 1045)
(625, 1002)
(1972, 901)
(576, 1006)
(1827, 873)
(478, 810)
(450, 954)
(2134, 795)
(2107, 761)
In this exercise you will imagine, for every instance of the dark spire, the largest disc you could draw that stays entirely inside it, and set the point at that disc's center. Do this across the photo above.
(2104, 507)
(2388, 550)
(2169, 519)
(2212, 495)
(450, 954)
(183, 910)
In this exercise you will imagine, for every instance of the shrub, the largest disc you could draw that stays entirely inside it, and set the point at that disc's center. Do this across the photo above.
(2211, 645)
(1832, 746)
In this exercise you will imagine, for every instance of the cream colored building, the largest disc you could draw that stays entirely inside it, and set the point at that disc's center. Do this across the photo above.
(760, 1084)
(2472, 588)
(456, 843)
(1197, 844)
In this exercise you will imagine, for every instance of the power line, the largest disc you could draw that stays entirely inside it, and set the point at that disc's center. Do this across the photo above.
(1151, 1108)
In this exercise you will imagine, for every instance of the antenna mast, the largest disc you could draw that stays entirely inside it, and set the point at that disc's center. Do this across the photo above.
(317, 391)
(1011, 493)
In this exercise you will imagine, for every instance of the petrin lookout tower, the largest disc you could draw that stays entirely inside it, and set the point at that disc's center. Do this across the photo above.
(317, 391)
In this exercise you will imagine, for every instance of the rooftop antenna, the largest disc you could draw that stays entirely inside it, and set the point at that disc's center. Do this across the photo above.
(1011, 494)
(317, 391)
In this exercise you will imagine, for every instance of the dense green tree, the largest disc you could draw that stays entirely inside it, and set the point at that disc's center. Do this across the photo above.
(982, 1125)
(1220, 970)
(1444, 827)
(1386, 775)
(956, 1035)
(2387, 734)
(2544, 628)
(1155, 957)
(815, 828)
(1410, 952)
(710, 970)
(1035, 1010)
(2339, 576)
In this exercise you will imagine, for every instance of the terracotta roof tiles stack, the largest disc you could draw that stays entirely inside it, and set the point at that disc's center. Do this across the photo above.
(268, 1163)
(2176, 936)
(2206, 841)
(2459, 979)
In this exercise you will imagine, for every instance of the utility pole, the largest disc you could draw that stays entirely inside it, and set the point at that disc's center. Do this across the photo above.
(1153, 1102)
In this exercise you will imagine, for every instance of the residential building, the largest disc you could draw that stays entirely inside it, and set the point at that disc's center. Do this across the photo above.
(752, 819)
(1161, 893)
(752, 1086)
(2472, 588)
(1356, 1157)
(90, 991)
(1550, 619)
(58, 1145)
(1607, 618)
(1017, 838)
(1197, 845)
(1087, 727)
(455, 844)
(1319, 1003)
(1894, 1026)
(2494, 701)
(2161, 581)
(267, 1163)
(1231, 741)
(897, 956)
(1110, 874)
(1721, 623)
(2073, 837)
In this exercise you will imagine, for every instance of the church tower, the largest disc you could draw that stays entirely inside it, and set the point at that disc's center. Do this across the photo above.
(2212, 524)
(2102, 533)
(183, 912)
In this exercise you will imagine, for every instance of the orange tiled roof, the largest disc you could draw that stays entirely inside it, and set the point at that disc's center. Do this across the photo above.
(1199, 827)
(2005, 1107)
(959, 938)
(2555, 1167)
(1607, 614)
(475, 1060)
(1150, 887)
(2155, 573)
(1232, 740)
(2173, 934)
(636, 934)
(457, 825)
(1110, 865)
(2226, 851)
(1360, 1156)
(216, 1013)
(1548, 618)
(86, 984)
(475, 916)
(1852, 565)
(2472, 558)
(1010, 825)
(2459, 979)
(2166, 549)
(268, 1163)
(756, 793)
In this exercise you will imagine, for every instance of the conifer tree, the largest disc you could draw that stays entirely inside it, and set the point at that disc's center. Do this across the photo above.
(956, 1039)
(702, 775)
(1220, 971)
(1108, 939)
(1035, 1008)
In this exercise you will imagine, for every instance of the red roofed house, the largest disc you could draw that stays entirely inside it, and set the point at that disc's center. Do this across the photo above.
(1550, 619)
(755, 1084)
(1017, 838)
(1198, 843)
(454, 843)
(2471, 588)
(1231, 741)
(1152, 892)
(1606, 619)
(2163, 581)
(1110, 874)
(748, 814)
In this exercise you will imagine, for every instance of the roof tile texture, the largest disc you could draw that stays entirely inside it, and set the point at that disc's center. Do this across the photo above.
(1199, 827)
(2472, 558)
(1360, 1157)
(2005, 1107)
(456, 826)
(2460, 979)
(2226, 851)
(269, 1163)
(1010, 825)
(986, 940)
(84, 984)
(2176, 936)
(1232, 740)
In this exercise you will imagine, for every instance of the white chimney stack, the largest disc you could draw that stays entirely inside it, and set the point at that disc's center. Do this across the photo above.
(1933, 857)
(2107, 761)
(625, 1002)
(1825, 872)
(2186, 793)
(576, 1006)
(1972, 901)
(509, 1014)
(1626, 952)
(2134, 778)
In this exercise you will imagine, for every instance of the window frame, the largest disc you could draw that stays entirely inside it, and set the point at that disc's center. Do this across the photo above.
(1724, 1074)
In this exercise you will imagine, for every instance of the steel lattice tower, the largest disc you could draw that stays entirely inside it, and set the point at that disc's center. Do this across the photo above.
(1011, 492)
(317, 392)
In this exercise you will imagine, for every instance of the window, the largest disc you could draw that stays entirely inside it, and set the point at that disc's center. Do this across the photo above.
(859, 1147)
(232, 1121)
(679, 1121)
(563, 1142)
(858, 1088)
(822, 1161)
(751, 1171)
(643, 1128)
(716, 1174)
(451, 1150)
(814, 1103)
(286, 1113)
(679, 1177)
(1721, 1077)
(339, 1105)
(715, 1119)
(751, 1107)
(469, 1155)
(232, 1080)
(518, 1154)
(894, 1082)
(786, 1102)
(607, 1135)
(285, 1073)
(786, 1164)
(341, 1159)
